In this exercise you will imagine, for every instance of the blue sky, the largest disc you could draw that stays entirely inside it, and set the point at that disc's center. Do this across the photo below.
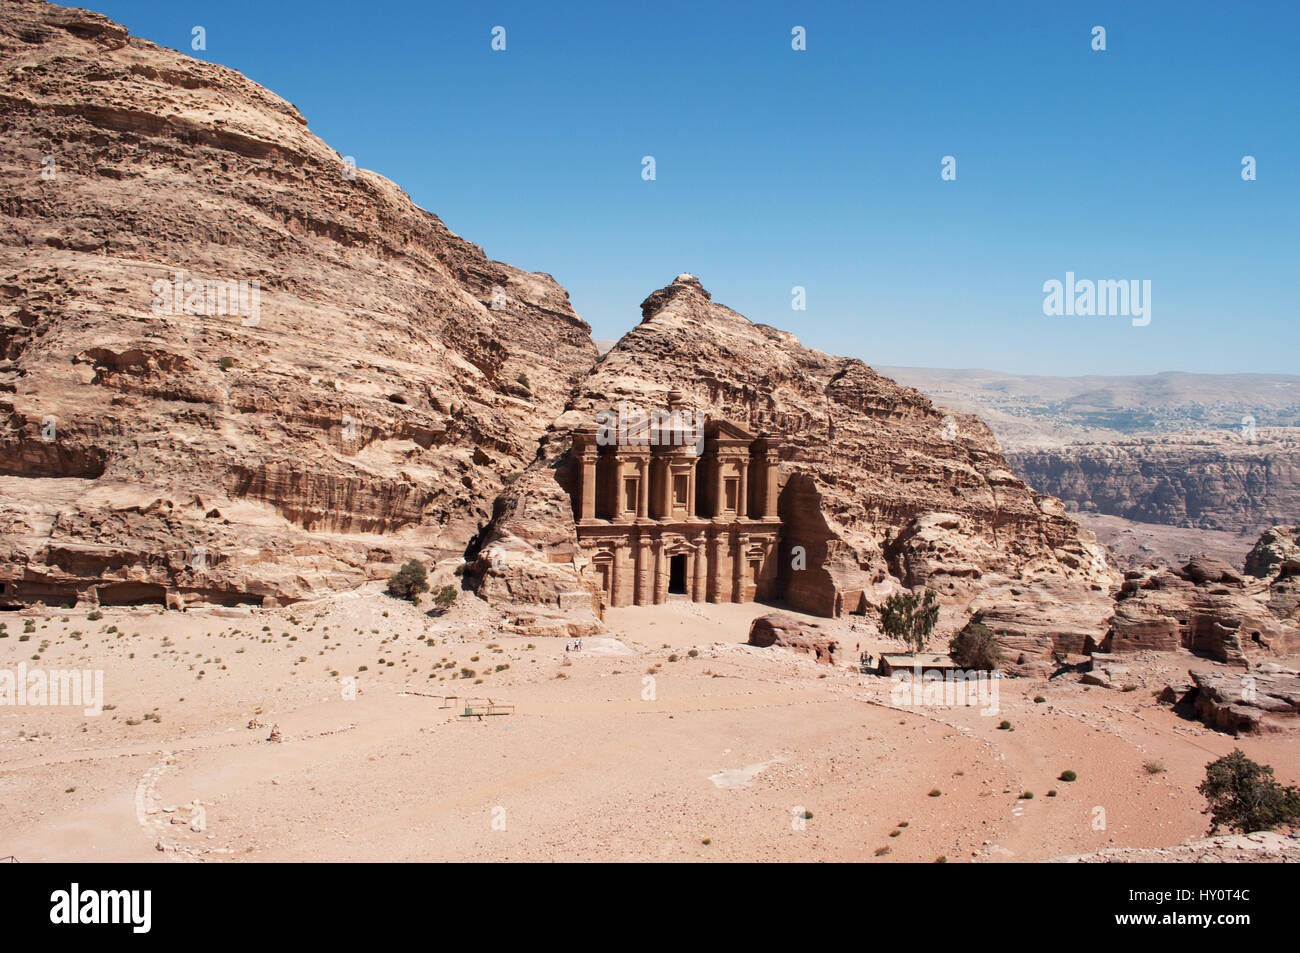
(821, 168)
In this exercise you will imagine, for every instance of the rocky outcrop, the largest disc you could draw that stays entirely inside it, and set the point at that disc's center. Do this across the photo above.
(778, 629)
(1037, 627)
(1267, 699)
(1205, 479)
(877, 486)
(232, 366)
(1207, 608)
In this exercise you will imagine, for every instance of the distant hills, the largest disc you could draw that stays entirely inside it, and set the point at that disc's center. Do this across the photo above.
(1034, 412)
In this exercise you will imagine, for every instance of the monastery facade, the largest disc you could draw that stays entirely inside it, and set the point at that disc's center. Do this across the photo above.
(679, 511)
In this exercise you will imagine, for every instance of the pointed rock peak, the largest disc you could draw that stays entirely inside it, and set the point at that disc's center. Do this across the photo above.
(682, 284)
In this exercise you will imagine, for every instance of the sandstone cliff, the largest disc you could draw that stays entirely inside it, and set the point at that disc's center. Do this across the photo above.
(1207, 607)
(879, 486)
(1207, 480)
(365, 400)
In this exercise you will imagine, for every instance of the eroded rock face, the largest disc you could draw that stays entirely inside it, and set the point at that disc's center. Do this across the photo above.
(363, 403)
(1205, 479)
(877, 485)
(778, 629)
(1208, 608)
(1267, 699)
(1037, 626)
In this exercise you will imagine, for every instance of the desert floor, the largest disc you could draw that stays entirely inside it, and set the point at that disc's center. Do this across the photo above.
(631, 749)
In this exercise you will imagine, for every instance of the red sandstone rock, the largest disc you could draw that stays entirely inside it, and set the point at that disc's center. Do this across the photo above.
(1207, 608)
(394, 379)
(1267, 699)
(779, 629)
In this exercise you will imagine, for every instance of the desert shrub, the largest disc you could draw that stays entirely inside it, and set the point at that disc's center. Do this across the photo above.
(1004, 726)
(935, 792)
(1244, 795)
(409, 581)
(94, 615)
(910, 617)
(975, 647)
(444, 598)
(1068, 776)
(1039, 699)
(226, 363)
(1154, 767)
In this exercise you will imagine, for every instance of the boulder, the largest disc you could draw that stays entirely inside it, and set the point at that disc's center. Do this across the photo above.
(1249, 703)
(792, 633)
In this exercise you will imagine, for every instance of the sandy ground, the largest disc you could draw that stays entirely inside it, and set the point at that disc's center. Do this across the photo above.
(632, 749)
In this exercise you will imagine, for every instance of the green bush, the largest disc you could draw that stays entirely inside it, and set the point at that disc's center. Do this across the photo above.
(1068, 776)
(409, 581)
(1244, 795)
(975, 647)
(445, 597)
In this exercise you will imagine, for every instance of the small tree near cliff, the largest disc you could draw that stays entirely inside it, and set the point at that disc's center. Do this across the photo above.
(409, 581)
(975, 647)
(1244, 795)
(910, 617)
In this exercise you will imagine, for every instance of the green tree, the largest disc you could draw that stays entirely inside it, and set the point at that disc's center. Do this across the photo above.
(975, 647)
(409, 581)
(1244, 795)
(910, 617)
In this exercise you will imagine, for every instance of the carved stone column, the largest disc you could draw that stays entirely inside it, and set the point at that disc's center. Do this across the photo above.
(719, 497)
(588, 511)
(643, 568)
(661, 573)
(742, 491)
(698, 593)
(643, 488)
(771, 484)
(691, 474)
(618, 489)
(717, 578)
(666, 489)
(615, 572)
(738, 567)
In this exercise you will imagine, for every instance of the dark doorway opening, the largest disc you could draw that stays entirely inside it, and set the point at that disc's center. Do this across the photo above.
(677, 574)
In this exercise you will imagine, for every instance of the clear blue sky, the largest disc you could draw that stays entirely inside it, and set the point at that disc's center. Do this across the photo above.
(778, 168)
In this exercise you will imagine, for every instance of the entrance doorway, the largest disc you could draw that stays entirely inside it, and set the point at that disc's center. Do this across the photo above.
(677, 574)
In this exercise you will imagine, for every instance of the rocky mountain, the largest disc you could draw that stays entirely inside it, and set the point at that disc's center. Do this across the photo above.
(237, 369)
(232, 366)
(878, 485)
